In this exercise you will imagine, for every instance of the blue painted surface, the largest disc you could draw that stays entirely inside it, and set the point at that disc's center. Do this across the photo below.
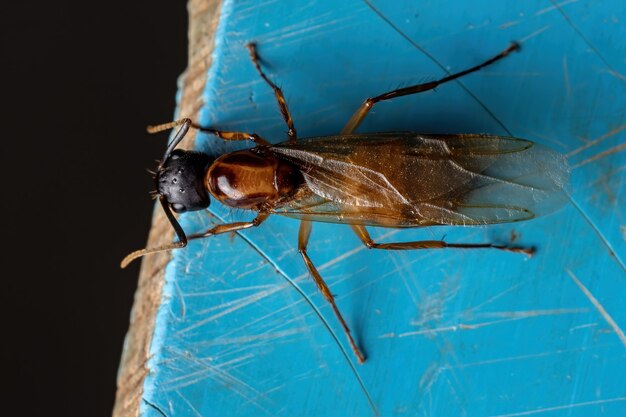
(448, 333)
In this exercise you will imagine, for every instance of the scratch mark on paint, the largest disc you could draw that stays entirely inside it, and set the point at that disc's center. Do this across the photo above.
(598, 232)
(566, 81)
(265, 319)
(510, 316)
(432, 331)
(495, 297)
(254, 338)
(181, 299)
(221, 376)
(534, 313)
(207, 370)
(623, 230)
(186, 401)
(583, 37)
(617, 75)
(619, 332)
(310, 33)
(602, 181)
(529, 356)
(254, 7)
(249, 271)
(355, 290)
(405, 282)
(535, 33)
(596, 141)
(275, 388)
(402, 268)
(240, 354)
(455, 394)
(431, 307)
(509, 24)
(562, 407)
(511, 74)
(554, 7)
(234, 306)
(608, 152)
(582, 326)
(228, 291)
(430, 376)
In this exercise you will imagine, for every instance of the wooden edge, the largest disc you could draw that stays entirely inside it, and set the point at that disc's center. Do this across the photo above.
(203, 20)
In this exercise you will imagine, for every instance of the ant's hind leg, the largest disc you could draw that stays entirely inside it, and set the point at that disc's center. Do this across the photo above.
(282, 104)
(365, 237)
(367, 105)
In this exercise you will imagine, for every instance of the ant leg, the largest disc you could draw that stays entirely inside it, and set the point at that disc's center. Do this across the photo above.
(219, 229)
(367, 105)
(303, 239)
(225, 135)
(362, 234)
(282, 104)
(231, 227)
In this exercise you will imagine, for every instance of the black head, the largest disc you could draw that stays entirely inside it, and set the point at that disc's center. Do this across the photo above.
(180, 184)
(180, 179)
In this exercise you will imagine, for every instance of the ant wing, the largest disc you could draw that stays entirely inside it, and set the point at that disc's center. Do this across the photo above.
(428, 179)
(309, 206)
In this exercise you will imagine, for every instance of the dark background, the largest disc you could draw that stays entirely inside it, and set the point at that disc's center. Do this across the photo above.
(80, 83)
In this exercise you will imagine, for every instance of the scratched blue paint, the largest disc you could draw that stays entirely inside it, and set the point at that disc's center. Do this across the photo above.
(448, 333)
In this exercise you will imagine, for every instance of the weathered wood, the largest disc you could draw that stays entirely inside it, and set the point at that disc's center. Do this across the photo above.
(203, 18)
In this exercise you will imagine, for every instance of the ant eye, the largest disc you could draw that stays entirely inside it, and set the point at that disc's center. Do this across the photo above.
(179, 208)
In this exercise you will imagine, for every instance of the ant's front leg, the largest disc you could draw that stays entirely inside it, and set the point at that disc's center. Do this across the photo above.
(280, 97)
(228, 136)
(222, 134)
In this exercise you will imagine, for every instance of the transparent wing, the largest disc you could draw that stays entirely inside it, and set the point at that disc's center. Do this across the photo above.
(315, 208)
(431, 179)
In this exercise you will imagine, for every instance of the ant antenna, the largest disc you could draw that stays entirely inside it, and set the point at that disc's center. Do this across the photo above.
(182, 238)
(186, 124)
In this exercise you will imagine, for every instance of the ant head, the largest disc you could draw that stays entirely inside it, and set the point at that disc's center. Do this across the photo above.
(180, 185)
(180, 180)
